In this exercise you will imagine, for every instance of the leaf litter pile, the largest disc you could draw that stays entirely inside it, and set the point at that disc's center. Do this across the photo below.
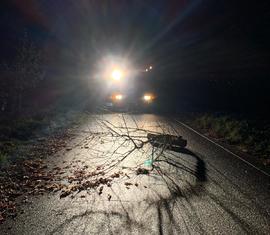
(28, 177)
(32, 177)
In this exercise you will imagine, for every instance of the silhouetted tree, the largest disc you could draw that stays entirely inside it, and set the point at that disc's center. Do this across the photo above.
(21, 74)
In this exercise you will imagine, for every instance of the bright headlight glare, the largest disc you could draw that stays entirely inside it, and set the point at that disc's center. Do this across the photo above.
(119, 97)
(114, 69)
(147, 98)
(116, 74)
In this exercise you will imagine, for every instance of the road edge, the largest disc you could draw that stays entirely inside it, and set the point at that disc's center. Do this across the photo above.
(222, 147)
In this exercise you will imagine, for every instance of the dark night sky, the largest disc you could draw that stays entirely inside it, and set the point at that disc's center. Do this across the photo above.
(187, 36)
(186, 40)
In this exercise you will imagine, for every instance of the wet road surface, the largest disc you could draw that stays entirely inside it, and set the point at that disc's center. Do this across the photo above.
(201, 189)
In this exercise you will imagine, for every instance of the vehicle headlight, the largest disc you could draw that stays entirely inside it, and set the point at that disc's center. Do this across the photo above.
(117, 74)
(119, 97)
(148, 98)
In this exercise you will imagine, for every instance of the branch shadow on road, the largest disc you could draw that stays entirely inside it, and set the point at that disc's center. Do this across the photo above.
(194, 190)
(200, 171)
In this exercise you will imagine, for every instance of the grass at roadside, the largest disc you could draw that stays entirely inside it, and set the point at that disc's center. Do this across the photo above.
(3, 158)
(16, 134)
(249, 136)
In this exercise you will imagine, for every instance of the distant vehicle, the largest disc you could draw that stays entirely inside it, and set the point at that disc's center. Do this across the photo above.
(124, 87)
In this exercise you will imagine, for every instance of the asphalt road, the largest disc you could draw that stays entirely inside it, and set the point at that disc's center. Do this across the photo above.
(199, 190)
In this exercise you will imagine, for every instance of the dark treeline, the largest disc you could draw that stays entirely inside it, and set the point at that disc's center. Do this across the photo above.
(20, 76)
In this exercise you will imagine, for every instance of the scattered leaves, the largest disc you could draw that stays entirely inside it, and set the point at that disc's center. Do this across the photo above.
(30, 177)
(100, 190)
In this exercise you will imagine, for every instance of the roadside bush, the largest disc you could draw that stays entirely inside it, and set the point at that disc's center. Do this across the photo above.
(21, 129)
(248, 136)
(3, 158)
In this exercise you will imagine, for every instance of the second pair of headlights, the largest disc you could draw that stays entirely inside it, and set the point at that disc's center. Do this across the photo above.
(147, 97)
